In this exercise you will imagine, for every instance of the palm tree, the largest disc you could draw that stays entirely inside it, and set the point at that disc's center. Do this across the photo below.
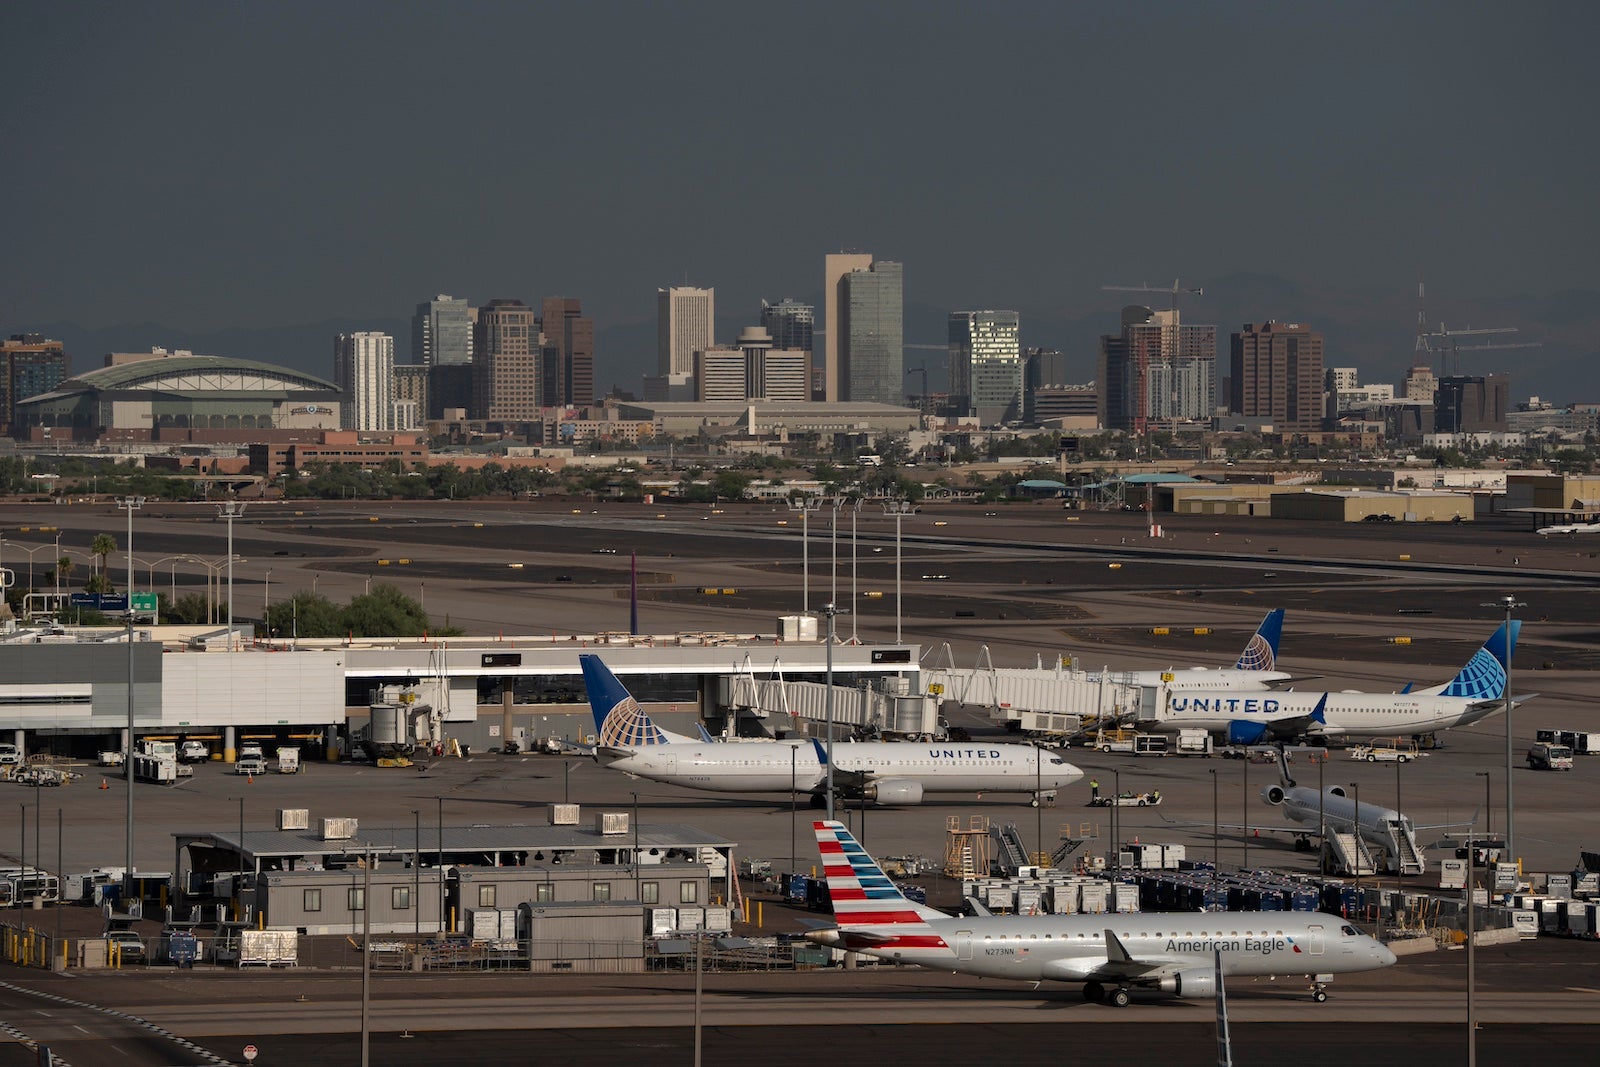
(102, 546)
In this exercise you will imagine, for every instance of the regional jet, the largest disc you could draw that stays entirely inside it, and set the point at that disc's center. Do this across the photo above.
(1111, 954)
(887, 772)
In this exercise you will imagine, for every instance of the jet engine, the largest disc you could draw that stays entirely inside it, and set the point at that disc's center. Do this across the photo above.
(894, 791)
(1273, 794)
(1246, 733)
(1194, 984)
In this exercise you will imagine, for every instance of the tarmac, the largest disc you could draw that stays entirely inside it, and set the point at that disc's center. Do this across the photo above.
(1039, 583)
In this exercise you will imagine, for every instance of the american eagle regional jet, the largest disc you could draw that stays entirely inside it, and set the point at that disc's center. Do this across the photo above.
(1169, 952)
(888, 772)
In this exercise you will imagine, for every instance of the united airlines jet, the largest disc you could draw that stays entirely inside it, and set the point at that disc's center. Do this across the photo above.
(1256, 667)
(1250, 716)
(1170, 952)
(887, 772)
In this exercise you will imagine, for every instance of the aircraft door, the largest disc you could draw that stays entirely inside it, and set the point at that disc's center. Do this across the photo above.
(963, 944)
(1315, 941)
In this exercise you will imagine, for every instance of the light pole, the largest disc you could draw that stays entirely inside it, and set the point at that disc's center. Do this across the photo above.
(1244, 802)
(266, 601)
(830, 611)
(805, 505)
(1355, 832)
(897, 508)
(793, 811)
(1472, 953)
(855, 602)
(416, 872)
(1116, 812)
(1488, 811)
(1216, 830)
(1510, 603)
(833, 538)
(129, 504)
(229, 510)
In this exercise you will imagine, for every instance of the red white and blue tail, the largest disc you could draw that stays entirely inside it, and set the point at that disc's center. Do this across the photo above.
(869, 908)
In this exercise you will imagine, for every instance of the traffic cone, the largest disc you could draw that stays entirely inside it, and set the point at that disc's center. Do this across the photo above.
(250, 779)
(103, 784)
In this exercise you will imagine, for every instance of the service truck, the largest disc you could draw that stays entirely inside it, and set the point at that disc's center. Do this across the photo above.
(1547, 757)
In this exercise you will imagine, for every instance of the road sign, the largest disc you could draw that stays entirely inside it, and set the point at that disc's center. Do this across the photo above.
(144, 602)
(249, 1053)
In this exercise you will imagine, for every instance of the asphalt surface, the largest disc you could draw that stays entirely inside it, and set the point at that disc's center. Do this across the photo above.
(1036, 586)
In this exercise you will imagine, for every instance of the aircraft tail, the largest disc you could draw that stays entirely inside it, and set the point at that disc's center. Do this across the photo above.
(869, 908)
(619, 721)
(1261, 654)
(1484, 676)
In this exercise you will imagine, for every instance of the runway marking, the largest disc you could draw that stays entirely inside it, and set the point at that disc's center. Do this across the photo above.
(75, 1026)
(1581, 989)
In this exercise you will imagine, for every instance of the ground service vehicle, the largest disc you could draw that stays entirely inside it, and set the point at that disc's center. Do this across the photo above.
(1545, 757)
(193, 752)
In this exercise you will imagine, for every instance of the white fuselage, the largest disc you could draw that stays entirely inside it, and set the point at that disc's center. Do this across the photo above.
(1201, 678)
(1338, 812)
(1358, 714)
(778, 766)
(1073, 948)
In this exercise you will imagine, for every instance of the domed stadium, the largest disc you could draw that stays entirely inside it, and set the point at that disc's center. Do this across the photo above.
(181, 397)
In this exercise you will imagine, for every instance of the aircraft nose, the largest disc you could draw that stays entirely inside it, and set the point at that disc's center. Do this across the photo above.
(1386, 956)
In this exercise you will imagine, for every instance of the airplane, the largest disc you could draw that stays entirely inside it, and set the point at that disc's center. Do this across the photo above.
(1171, 952)
(886, 772)
(1256, 667)
(1248, 717)
(1570, 529)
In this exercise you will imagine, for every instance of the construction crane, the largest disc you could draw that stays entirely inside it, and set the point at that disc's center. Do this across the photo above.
(1449, 349)
(1171, 290)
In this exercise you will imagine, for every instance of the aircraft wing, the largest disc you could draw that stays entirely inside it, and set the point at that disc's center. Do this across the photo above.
(1277, 828)
(844, 781)
(1123, 966)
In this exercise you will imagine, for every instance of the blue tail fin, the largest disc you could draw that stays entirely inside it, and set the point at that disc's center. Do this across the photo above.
(619, 721)
(1407, 689)
(1261, 654)
(1484, 676)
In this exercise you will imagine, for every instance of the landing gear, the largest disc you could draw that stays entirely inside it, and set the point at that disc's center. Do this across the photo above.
(1117, 998)
(1094, 992)
(1319, 992)
(818, 801)
(1302, 844)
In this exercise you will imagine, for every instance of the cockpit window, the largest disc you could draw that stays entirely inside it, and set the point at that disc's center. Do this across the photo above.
(1348, 931)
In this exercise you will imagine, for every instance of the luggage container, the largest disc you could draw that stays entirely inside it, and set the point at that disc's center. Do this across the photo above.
(483, 924)
(718, 920)
(1525, 922)
(1001, 898)
(289, 760)
(1064, 898)
(1093, 897)
(611, 823)
(1127, 898)
(663, 922)
(691, 919)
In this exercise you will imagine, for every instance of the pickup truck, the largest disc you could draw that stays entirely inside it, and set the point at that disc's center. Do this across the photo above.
(1127, 800)
(250, 765)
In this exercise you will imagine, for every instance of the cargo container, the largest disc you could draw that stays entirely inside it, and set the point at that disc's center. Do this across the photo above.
(663, 922)
(563, 815)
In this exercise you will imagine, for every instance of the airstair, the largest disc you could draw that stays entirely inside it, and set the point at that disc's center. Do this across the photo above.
(1404, 853)
(1070, 844)
(1346, 853)
(1011, 852)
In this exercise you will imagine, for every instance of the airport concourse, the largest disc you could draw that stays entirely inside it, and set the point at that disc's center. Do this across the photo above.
(455, 818)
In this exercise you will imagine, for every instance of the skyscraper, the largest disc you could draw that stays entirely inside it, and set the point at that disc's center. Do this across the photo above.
(505, 363)
(411, 385)
(567, 368)
(1158, 372)
(834, 268)
(1275, 372)
(441, 332)
(791, 324)
(685, 323)
(754, 370)
(30, 364)
(363, 368)
(871, 365)
(986, 364)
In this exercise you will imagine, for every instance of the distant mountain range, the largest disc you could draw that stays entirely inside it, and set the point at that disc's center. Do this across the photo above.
(1372, 331)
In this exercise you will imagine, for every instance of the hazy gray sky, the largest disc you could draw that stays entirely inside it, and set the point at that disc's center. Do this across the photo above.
(214, 164)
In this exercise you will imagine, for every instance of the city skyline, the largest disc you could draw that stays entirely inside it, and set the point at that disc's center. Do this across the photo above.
(1413, 143)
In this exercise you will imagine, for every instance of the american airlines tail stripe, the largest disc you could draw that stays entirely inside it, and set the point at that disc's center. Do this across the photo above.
(878, 918)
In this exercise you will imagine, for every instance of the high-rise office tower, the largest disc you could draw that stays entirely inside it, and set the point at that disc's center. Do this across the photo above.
(363, 368)
(505, 363)
(1472, 403)
(30, 364)
(871, 334)
(986, 364)
(567, 369)
(754, 370)
(1158, 372)
(685, 324)
(791, 324)
(441, 332)
(1276, 373)
(834, 268)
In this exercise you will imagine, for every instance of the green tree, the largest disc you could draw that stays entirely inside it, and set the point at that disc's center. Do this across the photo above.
(305, 614)
(102, 547)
